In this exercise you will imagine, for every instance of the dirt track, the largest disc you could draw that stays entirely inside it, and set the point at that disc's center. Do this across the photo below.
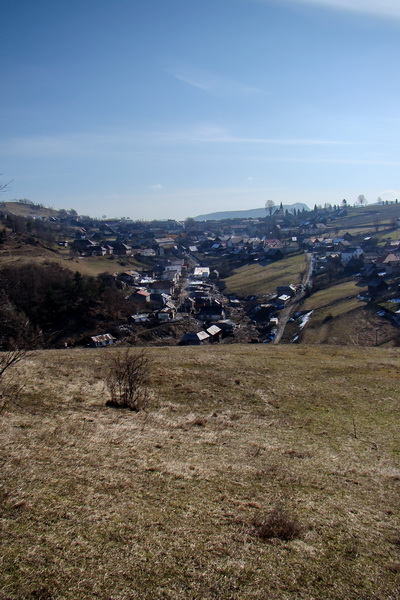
(295, 301)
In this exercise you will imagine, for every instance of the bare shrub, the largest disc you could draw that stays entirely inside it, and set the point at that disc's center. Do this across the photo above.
(9, 390)
(127, 377)
(10, 358)
(278, 524)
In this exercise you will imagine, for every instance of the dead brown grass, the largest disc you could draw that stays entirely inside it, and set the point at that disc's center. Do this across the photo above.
(91, 266)
(101, 503)
(350, 325)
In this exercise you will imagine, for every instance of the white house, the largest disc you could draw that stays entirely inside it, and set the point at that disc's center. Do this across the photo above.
(201, 273)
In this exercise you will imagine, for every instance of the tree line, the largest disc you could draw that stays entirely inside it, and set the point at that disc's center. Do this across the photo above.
(43, 304)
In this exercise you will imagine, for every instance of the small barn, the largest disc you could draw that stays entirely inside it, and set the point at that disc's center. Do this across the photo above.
(99, 341)
(215, 333)
(194, 339)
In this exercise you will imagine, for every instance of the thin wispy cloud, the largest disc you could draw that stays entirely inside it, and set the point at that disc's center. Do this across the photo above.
(90, 144)
(65, 145)
(57, 145)
(210, 82)
(391, 193)
(384, 8)
(212, 134)
(334, 161)
(277, 141)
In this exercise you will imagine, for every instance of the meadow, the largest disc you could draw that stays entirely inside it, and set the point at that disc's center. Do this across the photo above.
(20, 253)
(174, 501)
(263, 279)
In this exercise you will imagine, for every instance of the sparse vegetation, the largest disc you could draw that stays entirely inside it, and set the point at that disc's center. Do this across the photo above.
(97, 504)
(127, 378)
(10, 389)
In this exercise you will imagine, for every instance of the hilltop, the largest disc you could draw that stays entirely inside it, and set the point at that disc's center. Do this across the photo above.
(27, 208)
(252, 213)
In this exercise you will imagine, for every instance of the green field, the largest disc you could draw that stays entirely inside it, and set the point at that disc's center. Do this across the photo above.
(258, 279)
(335, 309)
(385, 236)
(174, 502)
(334, 294)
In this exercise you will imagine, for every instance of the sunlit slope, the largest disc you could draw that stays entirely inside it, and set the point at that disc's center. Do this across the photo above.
(104, 503)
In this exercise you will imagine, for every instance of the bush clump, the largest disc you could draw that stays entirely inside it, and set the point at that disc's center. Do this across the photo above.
(127, 377)
(278, 524)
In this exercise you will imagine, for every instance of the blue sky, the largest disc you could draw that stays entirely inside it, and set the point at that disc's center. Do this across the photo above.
(174, 108)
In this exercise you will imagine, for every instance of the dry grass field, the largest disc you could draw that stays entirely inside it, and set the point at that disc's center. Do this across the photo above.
(259, 279)
(345, 323)
(366, 219)
(386, 236)
(27, 210)
(18, 253)
(173, 502)
(340, 318)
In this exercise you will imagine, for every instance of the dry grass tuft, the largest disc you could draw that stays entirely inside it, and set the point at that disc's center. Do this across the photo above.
(297, 454)
(278, 524)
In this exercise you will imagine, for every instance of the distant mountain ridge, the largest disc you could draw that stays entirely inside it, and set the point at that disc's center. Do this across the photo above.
(252, 213)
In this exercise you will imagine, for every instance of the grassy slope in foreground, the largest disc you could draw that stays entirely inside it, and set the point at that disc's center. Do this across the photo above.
(259, 279)
(101, 503)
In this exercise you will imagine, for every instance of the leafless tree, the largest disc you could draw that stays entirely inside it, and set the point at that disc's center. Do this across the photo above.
(4, 184)
(11, 358)
(9, 389)
(361, 200)
(269, 207)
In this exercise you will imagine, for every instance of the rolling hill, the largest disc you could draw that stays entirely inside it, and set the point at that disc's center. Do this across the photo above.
(253, 213)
